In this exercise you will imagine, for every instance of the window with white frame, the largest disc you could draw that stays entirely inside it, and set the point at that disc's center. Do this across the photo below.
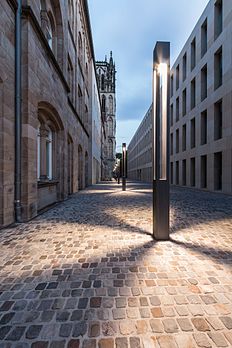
(44, 153)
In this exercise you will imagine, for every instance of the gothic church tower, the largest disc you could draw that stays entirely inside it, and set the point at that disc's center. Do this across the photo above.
(106, 80)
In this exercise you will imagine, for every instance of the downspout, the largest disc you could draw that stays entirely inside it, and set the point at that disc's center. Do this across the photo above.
(18, 96)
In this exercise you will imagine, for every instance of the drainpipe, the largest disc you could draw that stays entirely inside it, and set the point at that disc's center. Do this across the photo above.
(18, 113)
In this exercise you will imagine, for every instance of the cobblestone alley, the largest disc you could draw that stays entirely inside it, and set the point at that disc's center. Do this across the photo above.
(88, 273)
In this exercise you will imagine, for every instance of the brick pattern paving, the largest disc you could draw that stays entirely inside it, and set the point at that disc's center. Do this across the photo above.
(89, 274)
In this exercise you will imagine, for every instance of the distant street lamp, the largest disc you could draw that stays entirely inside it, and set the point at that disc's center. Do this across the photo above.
(161, 98)
(124, 166)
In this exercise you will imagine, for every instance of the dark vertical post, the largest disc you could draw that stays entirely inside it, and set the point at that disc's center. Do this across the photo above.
(124, 166)
(161, 101)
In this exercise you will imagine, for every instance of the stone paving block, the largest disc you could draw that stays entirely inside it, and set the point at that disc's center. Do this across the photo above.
(218, 339)
(170, 325)
(141, 327)
(94, 329)
(185, 341)
(109, 328)
(89, 343)
(127, 327)
(121, 342)
(33, 331)
(65, 330)
(167, 342)
(202, 340)
(106, 343)
(119, 314)
(227, 321)
(73, 343)
(215, 323)
(156, 325)
(200, 324)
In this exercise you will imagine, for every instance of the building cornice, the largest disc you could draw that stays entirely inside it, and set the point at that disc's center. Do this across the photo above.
(28, 13)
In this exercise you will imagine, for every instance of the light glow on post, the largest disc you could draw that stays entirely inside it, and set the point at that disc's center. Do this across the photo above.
(154, 119)
(163, 72)
(124, 158)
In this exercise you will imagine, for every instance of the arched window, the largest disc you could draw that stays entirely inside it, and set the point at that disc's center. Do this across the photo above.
(71, 79)
(48, 142)
(111, 153)
(110, 126)
(51, 33)
(110, 104)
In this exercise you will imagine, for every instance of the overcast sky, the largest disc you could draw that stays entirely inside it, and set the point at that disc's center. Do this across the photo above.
(130, 28)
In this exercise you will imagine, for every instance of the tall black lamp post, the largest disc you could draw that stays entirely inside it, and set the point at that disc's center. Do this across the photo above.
(161, 98)
(124, 166)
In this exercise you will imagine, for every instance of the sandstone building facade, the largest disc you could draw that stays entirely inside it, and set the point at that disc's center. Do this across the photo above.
(200, 107)
(57, 74)
(106, 81)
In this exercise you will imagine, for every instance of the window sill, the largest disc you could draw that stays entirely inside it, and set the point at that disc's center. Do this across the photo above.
(46, 183)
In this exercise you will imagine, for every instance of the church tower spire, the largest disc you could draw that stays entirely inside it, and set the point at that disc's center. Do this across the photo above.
(106, 76)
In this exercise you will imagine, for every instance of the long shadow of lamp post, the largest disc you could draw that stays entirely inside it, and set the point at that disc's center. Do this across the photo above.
(161, 102)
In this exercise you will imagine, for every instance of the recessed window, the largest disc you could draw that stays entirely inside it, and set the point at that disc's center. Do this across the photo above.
(193, 93)
(204, 127)
(171, 143)
(204, 38)
(177, 172)
(203, 171)
(184, 66)
(177, 141)
(218, 68)
(218, 171)
(184, 172)
(171, 85)
(177, 76)
(193, 133)
(171, 111)
(193, 54)
(218, 19)
(218, 120)
(184, 137)
(177, 109)
(192, 172)
(184, 101)
(204, 83)
(71, 79)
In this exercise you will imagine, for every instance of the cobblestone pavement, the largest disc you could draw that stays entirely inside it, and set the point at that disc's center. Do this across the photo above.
(88, 273)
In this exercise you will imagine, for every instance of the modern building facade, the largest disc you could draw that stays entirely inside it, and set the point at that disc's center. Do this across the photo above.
(106, 81)
(201, 104)
(139, 152)
(55, 130)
